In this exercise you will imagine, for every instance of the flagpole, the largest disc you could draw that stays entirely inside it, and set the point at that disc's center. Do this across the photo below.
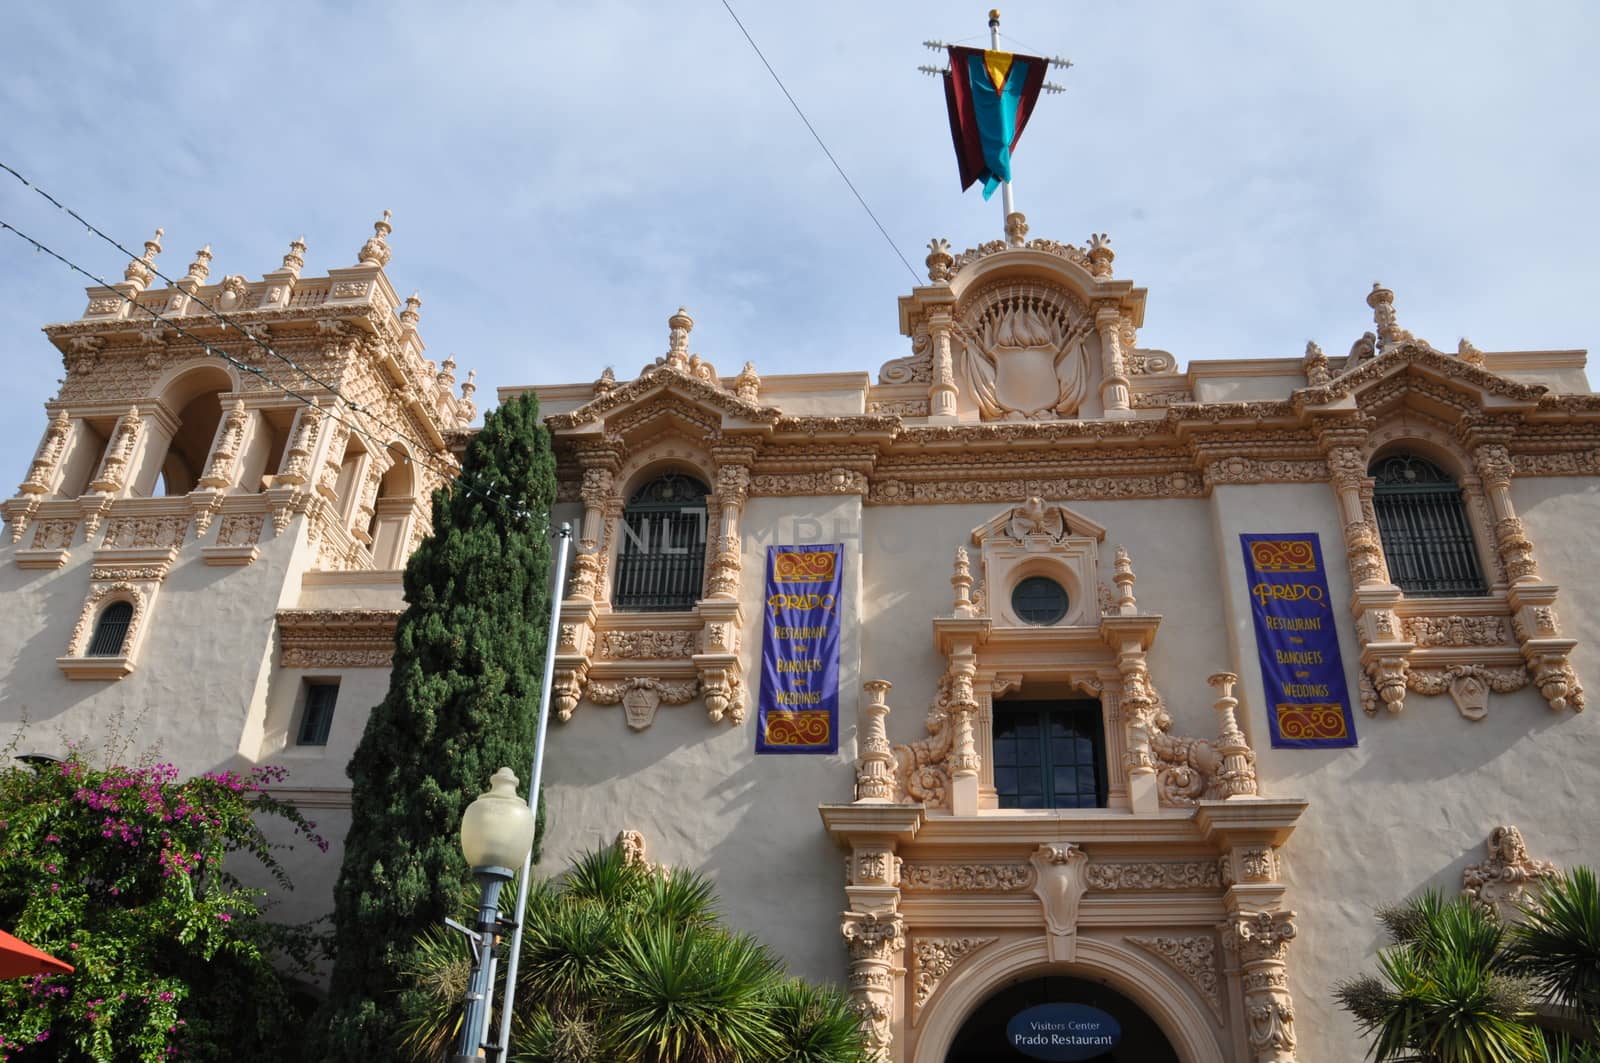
(519, 914)
(1008, 206)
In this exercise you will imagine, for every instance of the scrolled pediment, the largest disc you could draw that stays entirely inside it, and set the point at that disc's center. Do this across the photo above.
(1414, 357)
(663, 384)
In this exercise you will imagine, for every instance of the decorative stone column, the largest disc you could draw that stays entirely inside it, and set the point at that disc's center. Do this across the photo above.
(877, 942)
(961, 583)
(112, 475)
(965, 763)
(1259, 941)
(1533, 612)
(721, 616)
(1113, 370)
(365, 509)
(599, 466)
(225, 448)
(43, 475)
(875, 768)
(296, 467)
(942, 392)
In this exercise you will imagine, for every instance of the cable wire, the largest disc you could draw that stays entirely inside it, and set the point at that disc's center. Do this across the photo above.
(816, 136)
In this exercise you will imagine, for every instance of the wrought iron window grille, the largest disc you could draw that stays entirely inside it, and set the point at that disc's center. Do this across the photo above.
(1427, 538)
(111, 631)
(661, 552)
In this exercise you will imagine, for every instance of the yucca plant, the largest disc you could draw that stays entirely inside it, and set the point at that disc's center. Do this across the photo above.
(1445, 993)
(1557, 943)
(816, 1024)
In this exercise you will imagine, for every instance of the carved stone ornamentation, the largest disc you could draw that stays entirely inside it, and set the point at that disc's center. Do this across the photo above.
(968, 878)
(1455, 630)
(647, 644)
(640, 696)
(1024, 358)
(1468, 684)
(935, 957)
(1510, 878)
(1060, 879)
(1155, 875)
(1192, 955)
(1261, 941)
(631, 844)
(874, 940)
(922, 767)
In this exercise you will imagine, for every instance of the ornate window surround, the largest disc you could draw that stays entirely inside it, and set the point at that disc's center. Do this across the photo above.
(1468, 646)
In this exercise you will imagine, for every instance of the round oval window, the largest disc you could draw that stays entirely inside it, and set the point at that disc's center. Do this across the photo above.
(1039, 600)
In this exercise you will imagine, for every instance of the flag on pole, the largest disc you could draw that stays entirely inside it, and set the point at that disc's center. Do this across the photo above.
(990, 95)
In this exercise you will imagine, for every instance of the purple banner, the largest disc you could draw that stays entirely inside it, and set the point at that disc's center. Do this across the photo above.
(799, 707)
(1308, 704)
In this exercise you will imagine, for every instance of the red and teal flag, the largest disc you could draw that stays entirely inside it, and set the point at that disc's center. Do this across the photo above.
(990, 95)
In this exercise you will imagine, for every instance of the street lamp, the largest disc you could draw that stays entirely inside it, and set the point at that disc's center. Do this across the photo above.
(496, 836)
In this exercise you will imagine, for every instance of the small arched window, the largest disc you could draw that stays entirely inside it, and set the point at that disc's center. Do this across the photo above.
(661, 557)
(1427, 540)
(111, 631)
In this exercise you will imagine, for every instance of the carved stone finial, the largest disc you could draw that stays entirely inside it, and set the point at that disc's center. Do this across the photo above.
(469, 385)
(1381, 300)
(1236, 777)
(295, 260)
(1510, 878)
(1016, 229)
(413, 311)
(875, 776)
(679, 326)
(1123, 577)
(1315, 365)
(447, 374)
(1469, 353)
(376, 252)
(747, 385)
(1100, 254)
(961, 580)
(607, 381)
(200, 268)
(939, 260)
(141, 269)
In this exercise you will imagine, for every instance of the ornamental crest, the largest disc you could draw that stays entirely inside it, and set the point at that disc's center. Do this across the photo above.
(1024, 358)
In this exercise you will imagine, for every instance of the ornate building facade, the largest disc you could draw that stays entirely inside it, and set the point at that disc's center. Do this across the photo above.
(1056, 778)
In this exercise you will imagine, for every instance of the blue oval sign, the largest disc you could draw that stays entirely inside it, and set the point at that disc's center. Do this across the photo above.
(1063, 1032)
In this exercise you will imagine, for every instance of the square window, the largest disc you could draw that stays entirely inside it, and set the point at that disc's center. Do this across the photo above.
(1049, 754)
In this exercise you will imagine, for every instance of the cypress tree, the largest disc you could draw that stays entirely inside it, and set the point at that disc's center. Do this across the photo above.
(463, 700)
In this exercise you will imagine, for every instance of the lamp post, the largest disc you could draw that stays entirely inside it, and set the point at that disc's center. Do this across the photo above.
(496, 836)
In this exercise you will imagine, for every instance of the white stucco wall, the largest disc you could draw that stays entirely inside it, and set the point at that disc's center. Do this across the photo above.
(698, 791)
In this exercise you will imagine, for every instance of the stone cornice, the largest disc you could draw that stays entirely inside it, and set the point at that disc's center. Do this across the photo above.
(336, 638)
(1181, 452)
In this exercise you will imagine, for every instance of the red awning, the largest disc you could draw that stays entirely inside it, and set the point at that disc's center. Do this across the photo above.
(18, 959)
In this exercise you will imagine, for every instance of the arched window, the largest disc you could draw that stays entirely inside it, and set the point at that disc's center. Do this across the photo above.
(661, 557)
(1427, 540)
(111, 631)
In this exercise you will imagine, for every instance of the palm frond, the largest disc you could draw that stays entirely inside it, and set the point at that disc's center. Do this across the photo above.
(1558, 941)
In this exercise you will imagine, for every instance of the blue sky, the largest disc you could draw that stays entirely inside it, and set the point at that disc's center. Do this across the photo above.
(564, 176)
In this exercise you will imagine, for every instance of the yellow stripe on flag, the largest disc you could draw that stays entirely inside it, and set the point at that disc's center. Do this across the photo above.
(999, 65)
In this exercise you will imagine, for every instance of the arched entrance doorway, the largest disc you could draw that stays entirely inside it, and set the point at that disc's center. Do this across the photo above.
(983, 1039)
